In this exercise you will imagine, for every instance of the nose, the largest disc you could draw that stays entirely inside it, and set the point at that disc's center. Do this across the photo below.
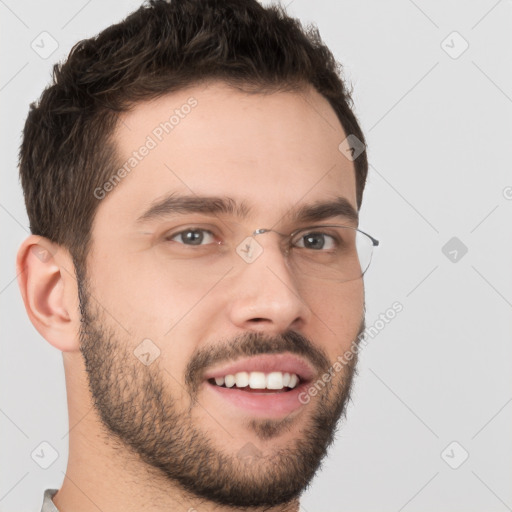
(266, 296)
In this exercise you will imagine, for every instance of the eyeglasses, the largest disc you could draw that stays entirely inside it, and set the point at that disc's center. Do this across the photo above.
(331, 252)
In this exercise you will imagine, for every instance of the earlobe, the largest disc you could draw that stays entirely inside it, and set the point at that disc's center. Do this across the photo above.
(47, 283)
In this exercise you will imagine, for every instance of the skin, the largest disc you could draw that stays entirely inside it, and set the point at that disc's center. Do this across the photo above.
(272, 151)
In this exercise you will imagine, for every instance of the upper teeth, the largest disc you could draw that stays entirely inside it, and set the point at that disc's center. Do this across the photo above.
(258, 380)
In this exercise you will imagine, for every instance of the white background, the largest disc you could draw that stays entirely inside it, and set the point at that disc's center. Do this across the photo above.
(439, 135)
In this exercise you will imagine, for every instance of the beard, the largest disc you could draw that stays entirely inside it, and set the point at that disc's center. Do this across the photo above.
(137, 409)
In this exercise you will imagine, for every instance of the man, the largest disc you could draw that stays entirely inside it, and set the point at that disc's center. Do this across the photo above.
(193, 178)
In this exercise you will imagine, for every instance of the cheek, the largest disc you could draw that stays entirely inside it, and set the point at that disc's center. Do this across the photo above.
(142, 294)
(338, 311)
(156, 322)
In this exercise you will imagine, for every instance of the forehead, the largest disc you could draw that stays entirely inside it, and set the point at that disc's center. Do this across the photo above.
(270, 151)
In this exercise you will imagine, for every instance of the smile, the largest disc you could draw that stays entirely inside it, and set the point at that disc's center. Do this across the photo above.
(263, 386)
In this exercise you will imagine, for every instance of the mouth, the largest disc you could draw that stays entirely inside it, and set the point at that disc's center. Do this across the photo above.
(265, 386)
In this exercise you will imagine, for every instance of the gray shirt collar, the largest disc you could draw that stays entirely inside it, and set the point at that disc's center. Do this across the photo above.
(48, 505)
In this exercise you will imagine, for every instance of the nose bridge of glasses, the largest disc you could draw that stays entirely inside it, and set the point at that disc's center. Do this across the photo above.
(282, 237)
(250, 246)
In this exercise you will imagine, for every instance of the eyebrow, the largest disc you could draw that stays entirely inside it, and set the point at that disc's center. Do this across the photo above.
(175, 204)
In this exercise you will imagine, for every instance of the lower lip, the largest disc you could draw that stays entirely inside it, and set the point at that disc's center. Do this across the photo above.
(269, 405)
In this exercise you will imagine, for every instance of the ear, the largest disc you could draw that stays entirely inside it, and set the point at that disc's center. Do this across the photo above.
(46, 277)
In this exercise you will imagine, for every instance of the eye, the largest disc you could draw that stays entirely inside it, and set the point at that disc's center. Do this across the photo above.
(316, 240)
(192, 236)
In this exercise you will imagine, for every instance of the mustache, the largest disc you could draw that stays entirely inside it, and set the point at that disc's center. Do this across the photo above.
(253, 344)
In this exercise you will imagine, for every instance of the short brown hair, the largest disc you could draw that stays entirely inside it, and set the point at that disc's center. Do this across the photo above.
(67, 149)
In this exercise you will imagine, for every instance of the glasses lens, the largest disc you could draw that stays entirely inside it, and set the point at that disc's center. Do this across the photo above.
(334, 253)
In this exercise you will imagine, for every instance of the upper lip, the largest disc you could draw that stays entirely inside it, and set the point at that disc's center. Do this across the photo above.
(266, 363)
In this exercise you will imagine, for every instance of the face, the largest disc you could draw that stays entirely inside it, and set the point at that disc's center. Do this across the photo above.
(179, 300)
